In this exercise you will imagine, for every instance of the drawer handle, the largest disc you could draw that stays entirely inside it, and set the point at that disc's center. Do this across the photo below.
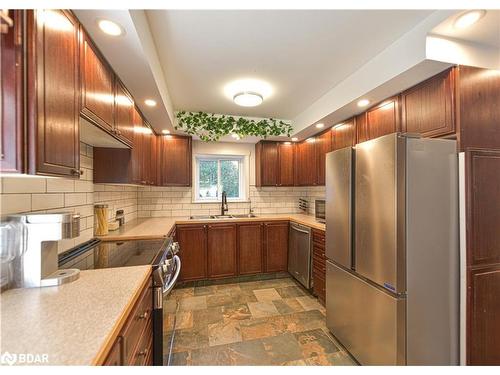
(142, 353)
(78, 172)
(144, 315)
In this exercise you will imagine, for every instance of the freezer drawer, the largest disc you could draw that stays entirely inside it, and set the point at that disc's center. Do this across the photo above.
(369, 322)
(338, 206)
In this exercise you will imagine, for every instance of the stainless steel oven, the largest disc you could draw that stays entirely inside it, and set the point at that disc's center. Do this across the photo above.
(319, 210)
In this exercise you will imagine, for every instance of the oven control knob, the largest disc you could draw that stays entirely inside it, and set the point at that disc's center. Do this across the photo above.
(175, 247)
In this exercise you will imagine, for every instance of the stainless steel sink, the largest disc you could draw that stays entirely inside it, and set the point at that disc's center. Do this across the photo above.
(219, 217)
(243, 216)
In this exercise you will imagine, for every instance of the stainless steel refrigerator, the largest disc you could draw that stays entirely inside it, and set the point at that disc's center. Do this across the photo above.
(392, 274)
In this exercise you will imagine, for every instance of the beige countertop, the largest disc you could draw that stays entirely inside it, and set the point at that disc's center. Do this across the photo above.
(75, 323)
(153, 228)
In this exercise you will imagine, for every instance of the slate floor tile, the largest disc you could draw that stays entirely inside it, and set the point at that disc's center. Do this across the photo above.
(282, 348)
(290, 291)
(309, 303)
(315, 343)
(237, 312)
(193, 303)
(262, 309)
(266, 295)
(225, 332)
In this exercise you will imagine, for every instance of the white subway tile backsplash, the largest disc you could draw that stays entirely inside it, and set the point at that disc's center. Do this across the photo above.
(75, 199)
(15, 203)
(23, 185)
(60, 185)
(47, 201)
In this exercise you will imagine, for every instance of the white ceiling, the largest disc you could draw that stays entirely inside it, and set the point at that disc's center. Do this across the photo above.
(486, 31)
(302, 54)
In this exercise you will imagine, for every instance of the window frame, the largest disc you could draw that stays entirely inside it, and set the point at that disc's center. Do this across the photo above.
(241, 178)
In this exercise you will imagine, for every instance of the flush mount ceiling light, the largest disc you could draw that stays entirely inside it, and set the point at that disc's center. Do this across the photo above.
(248, 99)
(110, 27)
(248, 92)
(363, 103)
(320, 125)
(468, 18)
(150, 102)
(165, 131)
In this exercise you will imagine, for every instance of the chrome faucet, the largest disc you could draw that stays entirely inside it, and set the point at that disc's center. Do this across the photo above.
(223, 207)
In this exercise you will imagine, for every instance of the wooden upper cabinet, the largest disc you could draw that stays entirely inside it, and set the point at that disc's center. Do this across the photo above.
(174, 168)
(137, 151)
(11, 142)
(323, 146)
(53, 89)
(344, 134)
(361, 128)
(428, 108)
(269, 163)
(221, 250)
(250, 248)
(97, 104)
(383, 119)
(306, 167)
(274, 163)
(276, 246)
(286, 162)
(124, 113)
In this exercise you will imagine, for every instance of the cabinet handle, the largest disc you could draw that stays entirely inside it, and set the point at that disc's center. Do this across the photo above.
(142, 353)
(144, 315)
(78, 172)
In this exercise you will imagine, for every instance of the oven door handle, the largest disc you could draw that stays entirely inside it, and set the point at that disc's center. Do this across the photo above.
(167, 288)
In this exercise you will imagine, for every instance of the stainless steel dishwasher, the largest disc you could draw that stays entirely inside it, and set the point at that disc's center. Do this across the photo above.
(299, 254)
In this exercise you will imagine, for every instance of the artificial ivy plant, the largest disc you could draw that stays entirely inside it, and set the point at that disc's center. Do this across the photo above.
(211, 127)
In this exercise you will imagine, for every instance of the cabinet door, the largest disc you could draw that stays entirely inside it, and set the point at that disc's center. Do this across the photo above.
(124, 114)
(222, 250)
(250, 249)
(344, 135)
(147, 141)
(361, 128)
(276, 246)
(428, 108)
(114, 357)
(193, 251)
(483, 330)
(153, 170)
(11, 113)
(383, 119)
(306, 163)
(53, 89)
(137, 151)
(286, 155)
(175, 160)
(323, 146)
(97, 86)
(269, 164)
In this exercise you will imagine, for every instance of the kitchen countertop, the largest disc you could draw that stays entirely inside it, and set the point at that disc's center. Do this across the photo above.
(75, 323)
(154, 228)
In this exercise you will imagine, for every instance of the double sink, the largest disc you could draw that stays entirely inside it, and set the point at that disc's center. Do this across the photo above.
(219, 217)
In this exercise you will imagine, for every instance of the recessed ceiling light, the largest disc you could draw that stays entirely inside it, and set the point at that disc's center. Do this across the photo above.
(288, 143)
(248, 99)
(165, 131)
(110, 27)
(234, 135)
(295, 139)
(468, 19)
(150, 102)
(363, 103)
(320, 125)
(310, 139)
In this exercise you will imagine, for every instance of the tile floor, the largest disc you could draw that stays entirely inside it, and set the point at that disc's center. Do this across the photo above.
(267, 322)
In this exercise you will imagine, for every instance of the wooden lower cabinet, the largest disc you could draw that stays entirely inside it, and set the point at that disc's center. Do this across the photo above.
(192, 241)
(319, 264)
(221, 250)
(276, 246)
(134, 344)
(250, 248)
(483, 331)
